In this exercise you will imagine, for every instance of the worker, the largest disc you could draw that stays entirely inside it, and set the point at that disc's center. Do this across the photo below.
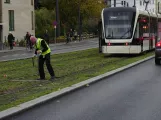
(43, 51)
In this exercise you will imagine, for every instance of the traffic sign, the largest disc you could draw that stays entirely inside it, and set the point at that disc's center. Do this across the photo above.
(55, 23)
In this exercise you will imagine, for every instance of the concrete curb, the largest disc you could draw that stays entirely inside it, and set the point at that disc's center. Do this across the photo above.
(6, 51)
(45, 98)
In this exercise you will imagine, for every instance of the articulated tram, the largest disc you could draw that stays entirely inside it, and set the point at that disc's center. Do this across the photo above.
(127, 30)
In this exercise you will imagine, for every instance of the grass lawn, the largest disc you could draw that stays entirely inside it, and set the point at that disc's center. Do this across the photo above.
(18, 85)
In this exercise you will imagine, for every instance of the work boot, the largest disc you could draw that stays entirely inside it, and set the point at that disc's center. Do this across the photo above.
(52, 78)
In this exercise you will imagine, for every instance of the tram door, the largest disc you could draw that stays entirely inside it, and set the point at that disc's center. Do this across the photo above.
(144, 32)
(153, 31)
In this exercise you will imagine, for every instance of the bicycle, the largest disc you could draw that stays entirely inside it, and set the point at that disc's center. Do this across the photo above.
(29, 47)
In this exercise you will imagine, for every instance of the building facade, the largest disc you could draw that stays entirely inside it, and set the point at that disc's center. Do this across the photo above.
(152, 6)
(16, 16)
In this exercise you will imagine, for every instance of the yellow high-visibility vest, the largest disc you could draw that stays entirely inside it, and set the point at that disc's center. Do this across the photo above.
(39, 47)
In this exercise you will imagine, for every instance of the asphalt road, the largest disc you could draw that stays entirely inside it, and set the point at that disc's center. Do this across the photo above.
(55, 49)
(133, 94)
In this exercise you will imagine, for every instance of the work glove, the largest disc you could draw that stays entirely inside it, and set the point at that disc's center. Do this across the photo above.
(34, 55)
(39, 52)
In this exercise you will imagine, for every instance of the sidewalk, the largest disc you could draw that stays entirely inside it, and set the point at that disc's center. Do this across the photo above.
(14, 49)
(7, 49)
(24, 48)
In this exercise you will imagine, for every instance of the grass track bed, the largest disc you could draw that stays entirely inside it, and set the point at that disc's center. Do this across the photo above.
(71, 68)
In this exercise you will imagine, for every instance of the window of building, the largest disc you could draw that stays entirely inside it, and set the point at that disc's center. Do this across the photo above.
(32, 19)
(32, 2)
(140, 3)
(11, 20)
(7, 1)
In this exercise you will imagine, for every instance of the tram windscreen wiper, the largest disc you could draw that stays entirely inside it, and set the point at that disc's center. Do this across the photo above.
(126, 33)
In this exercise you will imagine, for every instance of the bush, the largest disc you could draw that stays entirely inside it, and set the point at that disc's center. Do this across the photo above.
(22, 43)
(5, 43)
(44, 21)
(17, 42)
(58, 39)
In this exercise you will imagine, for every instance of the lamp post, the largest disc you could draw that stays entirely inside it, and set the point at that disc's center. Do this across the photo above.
(57, 19)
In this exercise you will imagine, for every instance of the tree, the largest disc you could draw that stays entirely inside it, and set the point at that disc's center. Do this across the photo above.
(88, 8)
(44, 19)
(69, 11)
(49, 4)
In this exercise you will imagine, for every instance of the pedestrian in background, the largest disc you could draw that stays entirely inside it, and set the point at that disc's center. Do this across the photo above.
(67, 37)
(10, 40)
(71, 34)
(75, 35)
(28, 42)
(46, 37)
(43, 51)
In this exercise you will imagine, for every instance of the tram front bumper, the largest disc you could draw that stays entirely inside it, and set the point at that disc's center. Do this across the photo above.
(121, 49)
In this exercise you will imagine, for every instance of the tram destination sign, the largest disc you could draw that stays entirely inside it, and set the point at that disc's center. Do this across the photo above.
(119, 18)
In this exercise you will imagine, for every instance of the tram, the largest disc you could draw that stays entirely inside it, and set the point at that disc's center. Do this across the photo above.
(128, 30)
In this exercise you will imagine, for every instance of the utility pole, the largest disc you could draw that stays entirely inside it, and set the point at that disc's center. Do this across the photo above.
(79, 22)
(1, 43)
(57, 19)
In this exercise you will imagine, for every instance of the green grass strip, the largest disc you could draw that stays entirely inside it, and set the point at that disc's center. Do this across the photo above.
(71, 68)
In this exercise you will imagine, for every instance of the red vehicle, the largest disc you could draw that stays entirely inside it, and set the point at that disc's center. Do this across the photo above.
(158, 53)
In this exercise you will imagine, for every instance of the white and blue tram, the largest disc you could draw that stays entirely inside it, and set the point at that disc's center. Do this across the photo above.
(127, 30)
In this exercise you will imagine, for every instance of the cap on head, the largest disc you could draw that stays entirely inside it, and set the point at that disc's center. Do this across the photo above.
(33, 39)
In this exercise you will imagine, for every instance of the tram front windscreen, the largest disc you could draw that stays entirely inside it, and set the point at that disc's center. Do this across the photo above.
(118, 25)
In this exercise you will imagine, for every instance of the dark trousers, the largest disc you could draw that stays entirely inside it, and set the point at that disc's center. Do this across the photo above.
(46, 59)
(29, 44)
(11, 45)
(67, 39)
